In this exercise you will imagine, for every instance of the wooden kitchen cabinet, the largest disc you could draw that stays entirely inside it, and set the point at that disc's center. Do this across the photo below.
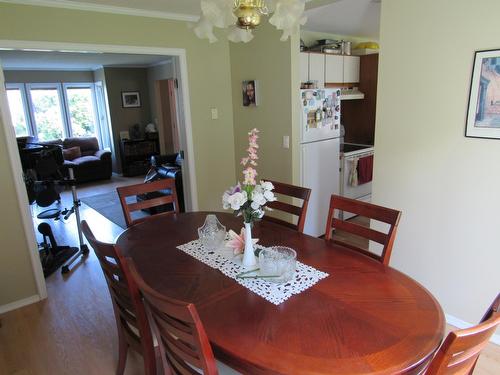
(358, 116)
(317, 68)
(334, 68)
(351, 69)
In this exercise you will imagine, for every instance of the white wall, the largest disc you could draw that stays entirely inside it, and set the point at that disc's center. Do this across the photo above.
(446, 185)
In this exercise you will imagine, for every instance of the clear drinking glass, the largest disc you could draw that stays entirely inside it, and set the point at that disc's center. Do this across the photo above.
(277, 264)
(212, 234)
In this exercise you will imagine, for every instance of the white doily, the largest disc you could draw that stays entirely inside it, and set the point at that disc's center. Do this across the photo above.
(224, 260)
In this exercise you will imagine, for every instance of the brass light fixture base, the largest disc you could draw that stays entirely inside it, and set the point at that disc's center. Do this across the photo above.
(249, 12)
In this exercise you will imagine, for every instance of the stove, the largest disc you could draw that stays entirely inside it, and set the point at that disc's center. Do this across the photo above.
(349, 154)
(351, 147)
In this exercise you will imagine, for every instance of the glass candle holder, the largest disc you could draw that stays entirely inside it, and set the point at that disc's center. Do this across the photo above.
(277, 264)
(212, 234)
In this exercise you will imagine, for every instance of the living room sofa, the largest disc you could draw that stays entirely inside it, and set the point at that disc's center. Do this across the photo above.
(89, 163)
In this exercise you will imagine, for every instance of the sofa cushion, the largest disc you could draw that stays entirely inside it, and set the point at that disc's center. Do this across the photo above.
(86, 160)
(72, 153)
(88, 145)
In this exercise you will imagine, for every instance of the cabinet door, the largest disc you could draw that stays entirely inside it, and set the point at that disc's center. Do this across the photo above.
(334, 69)
(351, 69)
(317, 68)
(304, 66)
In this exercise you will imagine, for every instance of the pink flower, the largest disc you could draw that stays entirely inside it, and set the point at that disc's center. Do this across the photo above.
(237, 242)
(250, 174)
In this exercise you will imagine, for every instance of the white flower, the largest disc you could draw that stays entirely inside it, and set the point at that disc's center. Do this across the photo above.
(269, 196)
(266, 185)
(258, 199)
(237, 200)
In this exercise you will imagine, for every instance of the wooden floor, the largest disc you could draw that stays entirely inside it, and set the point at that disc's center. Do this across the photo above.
(73, 331)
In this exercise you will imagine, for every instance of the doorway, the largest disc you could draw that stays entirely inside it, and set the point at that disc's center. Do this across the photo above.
(185, 138)
(166, 102)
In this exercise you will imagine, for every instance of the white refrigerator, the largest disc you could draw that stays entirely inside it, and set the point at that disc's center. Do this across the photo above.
(319, 153)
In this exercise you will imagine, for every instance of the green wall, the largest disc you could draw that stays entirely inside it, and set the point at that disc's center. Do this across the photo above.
(267, 60)
(209, 86)
(122, 119)
(445, 184)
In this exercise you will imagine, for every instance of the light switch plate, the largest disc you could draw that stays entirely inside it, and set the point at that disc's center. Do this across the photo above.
(286, 141)
(215, 113)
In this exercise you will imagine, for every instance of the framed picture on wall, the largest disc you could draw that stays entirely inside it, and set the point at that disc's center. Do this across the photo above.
(483, 113)
(250, 93)
(131, 99)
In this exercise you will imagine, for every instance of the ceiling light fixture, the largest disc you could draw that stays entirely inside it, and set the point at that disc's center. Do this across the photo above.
(241, 17)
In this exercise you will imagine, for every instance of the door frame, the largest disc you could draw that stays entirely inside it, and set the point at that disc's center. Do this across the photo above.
(180, 53)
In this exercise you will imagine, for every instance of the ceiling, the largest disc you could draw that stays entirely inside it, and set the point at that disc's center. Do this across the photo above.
(35, 60)
(346, 17)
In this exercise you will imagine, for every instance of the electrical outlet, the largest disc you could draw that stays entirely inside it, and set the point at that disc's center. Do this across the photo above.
(215, 113)
(286, 141)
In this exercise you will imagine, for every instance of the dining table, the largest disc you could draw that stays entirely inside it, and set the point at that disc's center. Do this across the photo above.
(363, 318)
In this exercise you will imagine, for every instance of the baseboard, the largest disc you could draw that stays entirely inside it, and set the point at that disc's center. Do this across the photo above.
(451, 320)
(17, 304)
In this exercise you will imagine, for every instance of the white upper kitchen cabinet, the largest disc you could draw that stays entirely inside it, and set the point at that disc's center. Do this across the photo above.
(317, 68)
(334, 68)
(351, 69)
(304, 66)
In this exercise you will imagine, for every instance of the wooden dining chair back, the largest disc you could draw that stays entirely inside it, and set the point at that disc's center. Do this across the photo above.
(299, 211)
(162, 185)
(368, 210)
(183, 343)
(131, 320)
(460, 350)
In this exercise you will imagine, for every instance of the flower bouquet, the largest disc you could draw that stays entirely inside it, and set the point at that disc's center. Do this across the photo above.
(249, 198)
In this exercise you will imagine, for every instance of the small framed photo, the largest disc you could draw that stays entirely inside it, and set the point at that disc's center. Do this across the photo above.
(483, 113)
(250, 93)
(131, 99)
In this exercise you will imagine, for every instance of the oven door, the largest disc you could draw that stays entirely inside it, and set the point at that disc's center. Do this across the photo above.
(361, 192)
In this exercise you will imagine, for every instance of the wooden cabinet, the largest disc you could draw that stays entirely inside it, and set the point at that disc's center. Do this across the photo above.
(358, 116)
(351, 69)
(136, 155)
(334, 68)
(317, 68)
(304, 66)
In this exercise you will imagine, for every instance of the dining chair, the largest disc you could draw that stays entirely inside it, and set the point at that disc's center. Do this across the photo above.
(368, 210)
(167, 184)
(300, 211)
(133, 327)
(183, 343)
(461, 349)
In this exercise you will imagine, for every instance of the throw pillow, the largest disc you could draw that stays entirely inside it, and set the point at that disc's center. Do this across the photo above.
(72, 153)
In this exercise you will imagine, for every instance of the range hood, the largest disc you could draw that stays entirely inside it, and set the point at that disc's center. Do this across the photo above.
(351, 94)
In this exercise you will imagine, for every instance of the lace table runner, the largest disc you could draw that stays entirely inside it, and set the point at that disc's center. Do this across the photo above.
(230, 265)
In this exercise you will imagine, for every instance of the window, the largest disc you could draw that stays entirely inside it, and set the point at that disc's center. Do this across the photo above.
(81, 113)
(18, 113)
(51, 110)
(47, 111)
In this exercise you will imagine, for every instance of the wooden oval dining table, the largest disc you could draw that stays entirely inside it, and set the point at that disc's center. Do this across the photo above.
(364, 318)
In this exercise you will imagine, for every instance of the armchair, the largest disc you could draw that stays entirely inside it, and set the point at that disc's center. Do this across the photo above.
(165, 166)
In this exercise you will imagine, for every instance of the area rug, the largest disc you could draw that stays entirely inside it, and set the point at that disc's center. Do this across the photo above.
(108, 205)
